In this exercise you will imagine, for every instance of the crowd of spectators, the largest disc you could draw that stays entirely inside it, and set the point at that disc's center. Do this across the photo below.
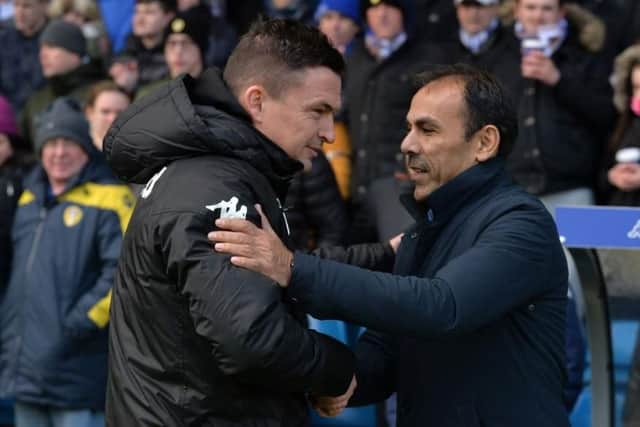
(68, 67)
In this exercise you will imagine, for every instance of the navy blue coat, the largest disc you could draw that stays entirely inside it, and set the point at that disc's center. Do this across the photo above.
(55, 309)
(471, 322)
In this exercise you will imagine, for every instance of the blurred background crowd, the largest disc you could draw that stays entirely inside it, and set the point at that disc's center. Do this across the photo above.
(69, 67)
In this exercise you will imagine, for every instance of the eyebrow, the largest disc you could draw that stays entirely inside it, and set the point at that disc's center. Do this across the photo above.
(325, 106)
(425, 122)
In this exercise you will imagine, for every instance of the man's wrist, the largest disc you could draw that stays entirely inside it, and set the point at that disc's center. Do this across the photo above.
(289, 270)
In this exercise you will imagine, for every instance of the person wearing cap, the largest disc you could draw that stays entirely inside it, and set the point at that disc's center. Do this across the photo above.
(378, 89)
(185, 44)
(67, 69)
(20, 71)
(54, 312)
(340, 21)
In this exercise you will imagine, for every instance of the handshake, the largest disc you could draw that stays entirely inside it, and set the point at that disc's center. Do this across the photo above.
(333, 406)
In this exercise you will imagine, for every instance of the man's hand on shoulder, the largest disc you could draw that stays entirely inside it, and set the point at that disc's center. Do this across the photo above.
(254, 248)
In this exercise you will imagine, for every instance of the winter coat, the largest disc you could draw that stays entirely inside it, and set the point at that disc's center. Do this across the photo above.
(499, 55)
(152, 65)
(195, 340)
(317, 214)
(54, 312)
(471, 324)
(20, 70)
(437, 21)
(74, 84)
(11, 176)
(377, 98)
(561, 128)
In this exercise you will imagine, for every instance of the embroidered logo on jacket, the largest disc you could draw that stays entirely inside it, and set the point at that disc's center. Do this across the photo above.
(228, 209)
(635, 231)
(71, 216)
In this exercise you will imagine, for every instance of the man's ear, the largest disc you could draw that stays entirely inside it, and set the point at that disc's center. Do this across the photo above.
(252, 100)
(488, 143)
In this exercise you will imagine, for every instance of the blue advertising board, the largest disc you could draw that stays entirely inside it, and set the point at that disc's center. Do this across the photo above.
(599, 226)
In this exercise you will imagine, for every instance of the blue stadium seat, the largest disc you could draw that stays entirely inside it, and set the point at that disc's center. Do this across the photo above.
(623, 338)
(351, 417)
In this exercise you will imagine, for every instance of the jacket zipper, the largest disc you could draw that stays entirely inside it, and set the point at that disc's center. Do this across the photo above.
(28, 271)
(284, 215)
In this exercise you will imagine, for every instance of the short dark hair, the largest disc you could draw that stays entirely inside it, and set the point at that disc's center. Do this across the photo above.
(166, 5)
(486, 101)
(274, 48)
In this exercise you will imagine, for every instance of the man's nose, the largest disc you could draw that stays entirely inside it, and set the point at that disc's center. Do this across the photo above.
(327, 129)
(408, 144)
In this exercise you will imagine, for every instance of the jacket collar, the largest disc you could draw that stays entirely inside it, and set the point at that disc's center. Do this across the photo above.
(445, 202)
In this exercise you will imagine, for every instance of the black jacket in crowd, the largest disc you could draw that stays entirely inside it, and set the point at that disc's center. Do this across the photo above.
(561, 128)
(316, 212)
(499, 55)
(152, 65)
(11, 177)
(193, 339)
(378, 95)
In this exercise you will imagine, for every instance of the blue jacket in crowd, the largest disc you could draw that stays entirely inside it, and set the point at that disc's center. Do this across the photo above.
(54, 312)
(472, 323)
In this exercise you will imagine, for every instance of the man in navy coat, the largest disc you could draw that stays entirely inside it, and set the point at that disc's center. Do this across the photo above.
(469, 328)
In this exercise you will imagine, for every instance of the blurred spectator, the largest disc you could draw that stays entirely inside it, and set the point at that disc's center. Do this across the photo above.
(565, 106)
(105, 100)
(484, 42)
(67, 68)
(622, 183)
(86, 15)
(15, 159)
(67, 236)
(20, 72)
(124, 72)
(378, 89)
(436, 20)
(146, 42)
(340, 21)
(299, 10)
(185, 43)
(222, 36)
(316, 213)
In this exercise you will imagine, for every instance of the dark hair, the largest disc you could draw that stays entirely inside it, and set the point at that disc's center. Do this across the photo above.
(485, 99)
(273, 50)
(166, 5)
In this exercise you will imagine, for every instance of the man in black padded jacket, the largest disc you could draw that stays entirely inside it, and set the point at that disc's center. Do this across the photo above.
(193, 339)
